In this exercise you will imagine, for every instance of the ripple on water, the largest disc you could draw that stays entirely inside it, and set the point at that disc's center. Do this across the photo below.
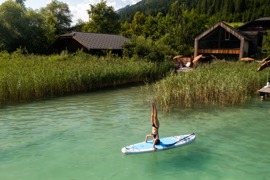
(80, 137)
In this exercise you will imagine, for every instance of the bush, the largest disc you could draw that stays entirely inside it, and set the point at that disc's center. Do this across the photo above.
(148, 49)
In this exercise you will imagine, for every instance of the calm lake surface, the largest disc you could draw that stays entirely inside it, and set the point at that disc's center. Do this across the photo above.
(80, 137)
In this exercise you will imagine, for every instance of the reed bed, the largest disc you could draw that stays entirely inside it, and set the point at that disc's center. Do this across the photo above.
(220, 83)
(29, 77)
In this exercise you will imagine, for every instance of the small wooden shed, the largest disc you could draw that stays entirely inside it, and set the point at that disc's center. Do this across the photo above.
(223, 41)
(255, 31)
(94, 43)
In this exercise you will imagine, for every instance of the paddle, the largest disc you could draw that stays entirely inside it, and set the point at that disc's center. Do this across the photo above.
(180, 140)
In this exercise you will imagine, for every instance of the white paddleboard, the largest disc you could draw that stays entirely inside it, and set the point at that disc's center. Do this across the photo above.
(165, 144)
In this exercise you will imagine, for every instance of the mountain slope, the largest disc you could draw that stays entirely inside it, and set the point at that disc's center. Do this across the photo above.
(148, 7)
(225, 10)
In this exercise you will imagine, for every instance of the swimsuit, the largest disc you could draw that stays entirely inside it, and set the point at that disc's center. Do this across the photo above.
(154, 131)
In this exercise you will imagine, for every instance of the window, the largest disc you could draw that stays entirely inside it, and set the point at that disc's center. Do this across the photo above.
(227, 35)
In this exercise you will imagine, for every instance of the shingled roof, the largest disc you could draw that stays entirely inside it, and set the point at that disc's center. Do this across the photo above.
(95, 41)
(261, 24)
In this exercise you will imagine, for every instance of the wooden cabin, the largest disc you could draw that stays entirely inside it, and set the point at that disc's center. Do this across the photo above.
(226, 42)
(255, 30)
(223, 41)
(94, 43)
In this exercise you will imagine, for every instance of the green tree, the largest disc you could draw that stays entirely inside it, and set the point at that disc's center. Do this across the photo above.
(12, 26)
(126, 29)
(79, 25)
(187, 25)
(21, 28)
(240, 5)
(155, 27)
(147, 48)
(138, 22)
(151, 28)
(102, 19)
(57, 15)
(40, 34)
(21, 2)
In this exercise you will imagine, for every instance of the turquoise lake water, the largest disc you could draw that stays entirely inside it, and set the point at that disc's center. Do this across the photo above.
(80, 137)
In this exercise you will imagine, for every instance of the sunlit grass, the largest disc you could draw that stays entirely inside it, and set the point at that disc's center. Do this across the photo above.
(28, 77)
(220, 83)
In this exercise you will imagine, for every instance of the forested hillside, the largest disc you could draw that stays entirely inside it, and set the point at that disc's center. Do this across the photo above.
(148, 7)
(234, 10)
(226, 10)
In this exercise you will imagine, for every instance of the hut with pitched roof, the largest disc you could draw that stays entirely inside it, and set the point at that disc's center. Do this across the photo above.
(94, 43)
(226, 42)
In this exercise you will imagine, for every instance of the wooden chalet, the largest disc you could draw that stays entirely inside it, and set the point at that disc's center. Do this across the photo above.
(255, 30)
(223, 41)
(94, 43)
(226, 42)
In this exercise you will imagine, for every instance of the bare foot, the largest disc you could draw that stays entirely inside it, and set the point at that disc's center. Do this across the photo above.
(154, 149)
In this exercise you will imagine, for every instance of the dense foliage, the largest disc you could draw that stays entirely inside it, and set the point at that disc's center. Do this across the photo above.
(180, 21)
(148, 7)
(233, 10)
(170, 23)
(57, 15)
(225, 10)
(31, 29)
(102, 19)
(146, 48)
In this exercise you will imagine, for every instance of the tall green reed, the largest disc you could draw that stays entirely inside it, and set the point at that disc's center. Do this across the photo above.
(219, 83)
(28, 77)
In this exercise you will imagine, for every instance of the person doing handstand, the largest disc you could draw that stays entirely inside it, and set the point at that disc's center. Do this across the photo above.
(155, 126)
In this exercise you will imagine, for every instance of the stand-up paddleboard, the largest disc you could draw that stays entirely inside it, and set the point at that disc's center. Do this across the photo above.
(165, 144)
